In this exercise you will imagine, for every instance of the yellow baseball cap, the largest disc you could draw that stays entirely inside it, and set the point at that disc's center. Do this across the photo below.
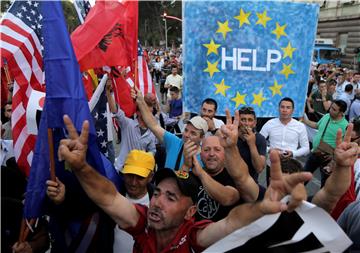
(139, 162)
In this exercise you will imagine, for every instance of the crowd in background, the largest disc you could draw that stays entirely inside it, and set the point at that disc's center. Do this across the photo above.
(222, 158)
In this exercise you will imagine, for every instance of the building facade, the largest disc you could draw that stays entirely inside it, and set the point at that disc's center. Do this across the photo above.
(340, 21)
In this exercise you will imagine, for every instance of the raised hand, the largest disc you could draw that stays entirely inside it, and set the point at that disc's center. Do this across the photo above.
(229, 132)
(108, 85)
(55, 191)
(281, 185)
(346, 152)
(22, 247)
(190, 150)
(136, 94)
(249, 136)
(73, 150)
(196, 168)
(210, 123)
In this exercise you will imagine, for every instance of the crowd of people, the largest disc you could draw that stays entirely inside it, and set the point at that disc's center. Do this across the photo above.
(190, 181)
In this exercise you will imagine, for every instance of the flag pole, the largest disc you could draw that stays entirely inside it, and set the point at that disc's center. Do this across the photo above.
(51, 155)
(136, 73)
(24, 229)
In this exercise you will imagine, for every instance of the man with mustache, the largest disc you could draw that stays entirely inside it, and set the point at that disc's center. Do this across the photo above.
(168, 224)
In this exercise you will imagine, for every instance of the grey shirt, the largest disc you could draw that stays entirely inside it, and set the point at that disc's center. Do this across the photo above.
(131, 138)
(354, 109)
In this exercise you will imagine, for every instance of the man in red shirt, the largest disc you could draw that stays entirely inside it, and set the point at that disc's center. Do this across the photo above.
(168, 224)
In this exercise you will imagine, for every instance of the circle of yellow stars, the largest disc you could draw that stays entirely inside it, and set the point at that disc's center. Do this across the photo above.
(224, 29)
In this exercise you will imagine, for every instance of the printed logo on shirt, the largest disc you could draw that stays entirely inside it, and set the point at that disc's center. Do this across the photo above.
(206, 206)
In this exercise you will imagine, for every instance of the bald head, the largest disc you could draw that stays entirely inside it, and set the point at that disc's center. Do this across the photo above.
(213, 155)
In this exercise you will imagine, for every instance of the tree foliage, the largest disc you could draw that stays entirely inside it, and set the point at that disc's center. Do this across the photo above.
(152, 26)
(151, 23)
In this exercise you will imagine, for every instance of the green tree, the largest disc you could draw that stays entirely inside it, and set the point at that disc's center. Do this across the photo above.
(5, 4)
(71, 16)
(151, 24)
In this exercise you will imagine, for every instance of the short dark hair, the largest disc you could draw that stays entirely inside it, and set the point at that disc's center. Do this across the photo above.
(349, 87)
(291, 166)
(247, 110)
(174, 89)
(210, 101)
(321, 81)
(288, 100)
(342, 105)
(331, 82)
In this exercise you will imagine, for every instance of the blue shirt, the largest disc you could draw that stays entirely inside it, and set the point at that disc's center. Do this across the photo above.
(175, 108)
(173, 145)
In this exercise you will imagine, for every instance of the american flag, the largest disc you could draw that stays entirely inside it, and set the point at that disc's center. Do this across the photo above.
(21, 46)
(82, 8)
(145, 81)
(99, 114)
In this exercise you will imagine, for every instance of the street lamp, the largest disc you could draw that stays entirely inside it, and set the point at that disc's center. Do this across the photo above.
(165, 17)
(166, 43)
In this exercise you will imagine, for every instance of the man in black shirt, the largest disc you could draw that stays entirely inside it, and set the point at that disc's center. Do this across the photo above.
(251, 145)
(223, 188)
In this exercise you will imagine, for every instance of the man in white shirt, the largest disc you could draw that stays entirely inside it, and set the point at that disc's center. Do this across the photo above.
(341, 84)
(137, 172)
(208, 111)
(173, 80)
(286, 134)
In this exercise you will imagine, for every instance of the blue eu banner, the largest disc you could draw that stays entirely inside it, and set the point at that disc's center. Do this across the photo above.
(248, 54)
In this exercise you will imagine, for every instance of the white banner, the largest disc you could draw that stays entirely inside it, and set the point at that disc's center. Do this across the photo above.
(308, 229)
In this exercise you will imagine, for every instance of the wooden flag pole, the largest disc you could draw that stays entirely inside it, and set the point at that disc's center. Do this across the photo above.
(24, 229)
(51, 155)
(136, 73)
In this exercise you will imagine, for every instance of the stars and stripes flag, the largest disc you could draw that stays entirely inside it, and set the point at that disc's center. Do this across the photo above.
(21, 46)
(144, 77)
(82, 8)
(101, 115)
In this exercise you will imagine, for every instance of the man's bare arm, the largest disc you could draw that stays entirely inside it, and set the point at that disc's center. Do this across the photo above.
(309, 123)
(99, 189)
(235, 165)
(226, 195)
(244, 214)
(339, 181)
(147, 116)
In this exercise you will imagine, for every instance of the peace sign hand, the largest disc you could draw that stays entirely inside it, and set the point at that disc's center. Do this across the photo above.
(73, 150)
(346, 152)
(229, 132)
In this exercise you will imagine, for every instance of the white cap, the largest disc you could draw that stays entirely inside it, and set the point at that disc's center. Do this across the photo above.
(199, 123)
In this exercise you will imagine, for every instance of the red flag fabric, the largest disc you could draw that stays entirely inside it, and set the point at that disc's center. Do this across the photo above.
(123, 83)
(21, 47)
(122, 96)
(109, 35)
